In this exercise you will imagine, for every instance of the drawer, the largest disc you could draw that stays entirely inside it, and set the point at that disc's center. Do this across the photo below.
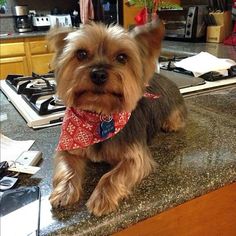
(13, 65)
(12, 49)
(38, 47)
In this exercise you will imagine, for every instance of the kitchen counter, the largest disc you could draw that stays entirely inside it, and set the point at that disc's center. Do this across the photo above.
(187, 48)
(191, 163)
(168, 47)
(6, 36)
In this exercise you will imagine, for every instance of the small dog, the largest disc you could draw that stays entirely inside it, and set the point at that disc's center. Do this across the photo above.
(115, 104)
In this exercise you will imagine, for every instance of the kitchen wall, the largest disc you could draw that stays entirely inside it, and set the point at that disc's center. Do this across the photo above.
(65, 6)
(201, 2)
(42, 6)
(194, 2)
(45, 5)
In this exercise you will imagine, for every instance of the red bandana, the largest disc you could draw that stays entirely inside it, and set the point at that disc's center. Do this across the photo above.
(81, 129)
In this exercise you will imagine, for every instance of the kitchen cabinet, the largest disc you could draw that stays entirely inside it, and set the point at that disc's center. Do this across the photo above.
(24, 56)
(13, 65)
(13, 58)
(40, 56)
(41, 64)
(129, 13)
(210, 214)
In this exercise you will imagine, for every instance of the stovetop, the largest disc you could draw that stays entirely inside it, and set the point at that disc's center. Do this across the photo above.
(35, 98)
(168, 64)
(187, 83)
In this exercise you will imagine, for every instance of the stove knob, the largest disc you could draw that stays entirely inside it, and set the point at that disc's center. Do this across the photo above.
(188, 25)
(188, 32)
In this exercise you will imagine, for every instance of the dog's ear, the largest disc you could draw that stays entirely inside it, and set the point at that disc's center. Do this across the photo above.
(149, 38)
(56, 38)
(56, 41)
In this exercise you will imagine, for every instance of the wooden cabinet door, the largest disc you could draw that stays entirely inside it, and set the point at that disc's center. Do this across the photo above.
(41, 64)
(11, 49)
(39, 47)
(13, 65)
(129, 13)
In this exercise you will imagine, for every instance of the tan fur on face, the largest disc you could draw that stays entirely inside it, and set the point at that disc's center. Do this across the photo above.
(126, 82)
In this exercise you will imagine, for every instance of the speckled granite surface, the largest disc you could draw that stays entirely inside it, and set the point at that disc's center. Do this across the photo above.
(193, 162)
(188, 48)
(6, 35)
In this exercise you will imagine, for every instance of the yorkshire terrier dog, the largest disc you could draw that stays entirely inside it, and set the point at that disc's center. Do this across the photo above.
(115, 104)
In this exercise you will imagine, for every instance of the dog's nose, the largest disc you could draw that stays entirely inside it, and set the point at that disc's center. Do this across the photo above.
(98, 76)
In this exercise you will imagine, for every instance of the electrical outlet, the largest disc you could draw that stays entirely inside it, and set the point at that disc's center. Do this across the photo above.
(29, 158)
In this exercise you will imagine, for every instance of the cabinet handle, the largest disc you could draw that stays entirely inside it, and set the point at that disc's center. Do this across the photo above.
(46, 46)
(49, 66)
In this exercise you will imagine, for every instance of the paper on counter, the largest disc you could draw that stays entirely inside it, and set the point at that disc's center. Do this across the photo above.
(12, 149)
(205, 62)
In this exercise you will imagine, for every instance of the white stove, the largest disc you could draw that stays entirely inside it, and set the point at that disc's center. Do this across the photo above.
(34, 97)
(187, 83)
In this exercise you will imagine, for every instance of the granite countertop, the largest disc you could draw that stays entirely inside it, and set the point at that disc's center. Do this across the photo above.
(188, 48)
(193, 162)
(168, 47)
(14, 35)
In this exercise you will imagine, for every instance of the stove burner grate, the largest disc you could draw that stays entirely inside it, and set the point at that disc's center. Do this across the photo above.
(38, 91)
(167, 63)
(43, 103)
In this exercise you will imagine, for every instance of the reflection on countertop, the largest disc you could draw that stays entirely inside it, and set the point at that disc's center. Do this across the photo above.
(192, 162)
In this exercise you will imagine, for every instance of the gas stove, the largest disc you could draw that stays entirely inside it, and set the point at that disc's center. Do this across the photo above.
(35, 98)
(168, 63)
(185, 80)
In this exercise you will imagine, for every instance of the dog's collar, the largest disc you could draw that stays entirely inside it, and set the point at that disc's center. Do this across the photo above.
(81, 129)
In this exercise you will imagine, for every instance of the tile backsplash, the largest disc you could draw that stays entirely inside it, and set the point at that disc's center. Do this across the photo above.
(7, 25)
(42, 6)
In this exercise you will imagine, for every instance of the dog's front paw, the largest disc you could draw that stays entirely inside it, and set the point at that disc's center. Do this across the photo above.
(64, 194)
(100, 203)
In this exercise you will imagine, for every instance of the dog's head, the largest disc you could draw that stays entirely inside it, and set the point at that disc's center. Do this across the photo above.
(104, 69)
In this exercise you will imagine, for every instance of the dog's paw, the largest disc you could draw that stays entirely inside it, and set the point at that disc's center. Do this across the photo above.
(101, 204)
(64, 194)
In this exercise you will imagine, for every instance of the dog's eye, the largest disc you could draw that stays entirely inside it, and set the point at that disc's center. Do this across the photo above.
(122, 58)
(82, 54)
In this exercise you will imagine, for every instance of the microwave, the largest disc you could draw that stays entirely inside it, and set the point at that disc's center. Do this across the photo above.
(60, 20)
(187, 24)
